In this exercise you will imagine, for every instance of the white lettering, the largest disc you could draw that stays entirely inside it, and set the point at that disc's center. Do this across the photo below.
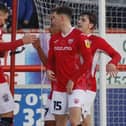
(60, 48)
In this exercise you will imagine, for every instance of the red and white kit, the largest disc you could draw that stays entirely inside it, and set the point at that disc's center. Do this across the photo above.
(63, 60)
(98, 45)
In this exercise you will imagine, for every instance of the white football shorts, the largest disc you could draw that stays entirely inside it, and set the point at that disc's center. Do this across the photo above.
(6, 99)
(61, 101)
(90, 97)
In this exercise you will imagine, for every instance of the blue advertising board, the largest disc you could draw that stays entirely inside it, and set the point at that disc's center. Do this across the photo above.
(29, 106)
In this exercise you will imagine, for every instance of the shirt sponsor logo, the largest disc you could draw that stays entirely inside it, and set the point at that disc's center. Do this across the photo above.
(65, 48)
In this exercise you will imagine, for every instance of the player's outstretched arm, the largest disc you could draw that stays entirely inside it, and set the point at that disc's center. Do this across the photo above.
(27, 39)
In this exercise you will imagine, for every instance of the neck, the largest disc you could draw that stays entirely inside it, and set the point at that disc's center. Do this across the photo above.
(88, 32)
(66, 28)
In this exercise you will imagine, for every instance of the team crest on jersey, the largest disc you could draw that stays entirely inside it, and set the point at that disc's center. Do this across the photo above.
(87, 43)
(70, 41)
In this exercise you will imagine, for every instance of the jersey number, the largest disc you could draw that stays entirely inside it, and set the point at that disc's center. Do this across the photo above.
(57, 105)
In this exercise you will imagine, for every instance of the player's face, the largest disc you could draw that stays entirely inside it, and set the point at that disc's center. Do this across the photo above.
(55, 20)
(83, 23)
(3, 18)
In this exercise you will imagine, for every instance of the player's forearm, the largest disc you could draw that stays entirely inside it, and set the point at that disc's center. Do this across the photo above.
(107, 48)
(42, 56)
(51, 59)
(115, 59)
(10, 45)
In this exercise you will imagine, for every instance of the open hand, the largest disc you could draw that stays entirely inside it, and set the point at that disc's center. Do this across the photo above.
(29, 39)
(51, 75)
(111, 70)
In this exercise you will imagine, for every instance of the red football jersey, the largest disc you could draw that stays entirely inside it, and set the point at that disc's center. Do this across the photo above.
(98, 45)
(63, 58)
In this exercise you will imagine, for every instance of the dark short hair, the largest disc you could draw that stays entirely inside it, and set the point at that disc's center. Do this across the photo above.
(3, 8)
(91, 16)
(63, 10)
